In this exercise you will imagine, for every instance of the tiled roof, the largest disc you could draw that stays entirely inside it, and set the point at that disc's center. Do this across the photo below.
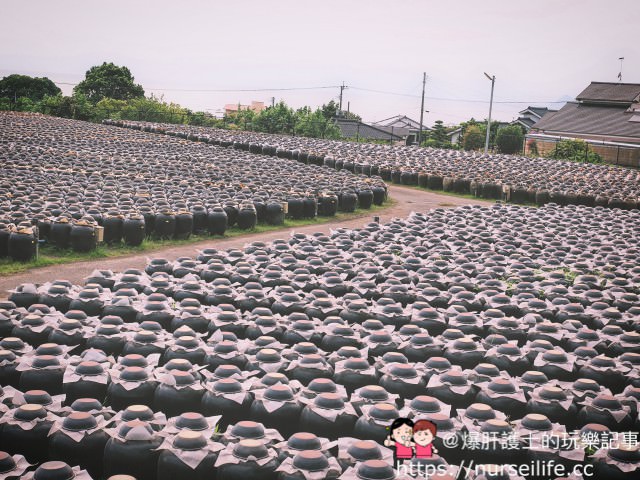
(590, 119)
(353, 128)
(603, 92)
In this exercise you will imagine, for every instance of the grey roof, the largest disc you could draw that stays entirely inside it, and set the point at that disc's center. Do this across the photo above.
(526, 121)
(354, 128)
(400, 121)
(539, 111)
(608, 92)
(590, 119)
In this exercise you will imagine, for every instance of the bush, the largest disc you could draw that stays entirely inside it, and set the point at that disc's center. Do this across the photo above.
(574, 150)
(474, 137)
(509, 139)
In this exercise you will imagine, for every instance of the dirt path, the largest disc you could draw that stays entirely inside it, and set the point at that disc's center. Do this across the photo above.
(406, 201)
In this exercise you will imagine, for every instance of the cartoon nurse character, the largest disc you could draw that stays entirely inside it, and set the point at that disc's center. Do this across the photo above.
(423, 433)
(401, 432)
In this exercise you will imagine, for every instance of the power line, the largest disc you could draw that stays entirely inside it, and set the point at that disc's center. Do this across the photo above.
(453, 99)
(225, 90)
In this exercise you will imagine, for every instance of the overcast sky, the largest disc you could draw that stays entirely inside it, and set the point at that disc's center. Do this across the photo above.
(539, 51)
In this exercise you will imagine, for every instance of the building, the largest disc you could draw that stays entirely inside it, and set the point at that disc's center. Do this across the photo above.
(530, 115)
(605, 114)
(404, 127)
(357, 130)
(236, 107)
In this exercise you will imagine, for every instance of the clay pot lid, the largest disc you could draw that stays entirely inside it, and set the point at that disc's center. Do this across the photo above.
(329, 401)
(126, 427)
(29, 412)
(311, 461)
(304, 441)
(454, 377)
(53, 471)
(586, 385)
(189, 440)
(7, 355)
(487, 369)
(536, 421)
(438, 363)
(602, 361)
(226, 370)
(403, 370)
(555, 356)
(480, 411)
(421, 339)
(227, 385)
(496, 425)
(49, 349)
(442, 421)
(137, 412)
(362, 450)
(89, 367)
(39, 397)
(384, 411)
(108, 330)
(247, 429)
(394, 357)
(534, 377)
(79, 421)
(553, 393)
(7, 463)
(311, 358)
(43, 361)
(627, 453)
(121, 477)
(374, 392)
(179, 364)
(268, 355)
(250, 447)
(502, 385)
(145, 336)
(508, 349)
(187, 341)
(375, 470)
(607, 401)
(322, 385)
(226, 346)
(192, 421)
(183, 378)
(86, 405)
(306, 348)
(279, 393)
(594, 428)
(134, 374)
(425, 404)
(274, 377)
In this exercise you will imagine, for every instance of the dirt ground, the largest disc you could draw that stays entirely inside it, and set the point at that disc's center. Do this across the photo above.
(406, 200)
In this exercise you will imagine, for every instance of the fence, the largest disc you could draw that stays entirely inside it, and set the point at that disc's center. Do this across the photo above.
(613, 153)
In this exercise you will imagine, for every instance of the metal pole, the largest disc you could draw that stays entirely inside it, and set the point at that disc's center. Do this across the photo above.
(424, 81)
(486, 142)
(342, 87)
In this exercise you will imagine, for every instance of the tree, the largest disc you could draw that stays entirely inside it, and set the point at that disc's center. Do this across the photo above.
(35, 89)
(575, 150)
(76, 106)
(509, 139)
(438, 136)
(277, 119)
(109, 81)
(474, 136)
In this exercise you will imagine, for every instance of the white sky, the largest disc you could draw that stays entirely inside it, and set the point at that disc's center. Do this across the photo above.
(543, 50)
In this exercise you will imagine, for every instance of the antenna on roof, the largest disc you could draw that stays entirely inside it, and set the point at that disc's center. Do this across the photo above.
(620, 74)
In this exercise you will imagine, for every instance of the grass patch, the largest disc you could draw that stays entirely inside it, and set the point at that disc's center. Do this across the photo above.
(50, 256)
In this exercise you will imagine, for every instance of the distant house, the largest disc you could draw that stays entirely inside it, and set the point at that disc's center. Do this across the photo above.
(236, 107)
(530, 115)
(355, 129)
(403, 126)
(454, 135)
(605, 114)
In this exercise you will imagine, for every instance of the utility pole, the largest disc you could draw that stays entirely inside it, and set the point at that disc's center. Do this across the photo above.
(273, 101)
(424, 82)
(493, 81)
(342, 87)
